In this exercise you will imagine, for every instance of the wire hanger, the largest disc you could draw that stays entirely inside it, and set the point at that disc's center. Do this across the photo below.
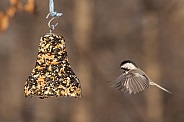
(53, 14)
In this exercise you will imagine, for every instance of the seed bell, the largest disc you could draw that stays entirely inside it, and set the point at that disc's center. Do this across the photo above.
(52, 75)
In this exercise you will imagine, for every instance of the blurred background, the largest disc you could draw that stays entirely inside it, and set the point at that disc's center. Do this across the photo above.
(99, 36)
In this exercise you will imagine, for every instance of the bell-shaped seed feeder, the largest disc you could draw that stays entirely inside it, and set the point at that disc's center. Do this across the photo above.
(52, 75)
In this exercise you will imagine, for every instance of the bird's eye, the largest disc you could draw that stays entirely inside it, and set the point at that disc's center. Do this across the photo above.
(126, 69)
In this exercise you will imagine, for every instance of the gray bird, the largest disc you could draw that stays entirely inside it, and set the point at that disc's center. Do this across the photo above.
(133, 79)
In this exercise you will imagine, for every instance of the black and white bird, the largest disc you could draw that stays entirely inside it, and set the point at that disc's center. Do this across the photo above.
(133, 79)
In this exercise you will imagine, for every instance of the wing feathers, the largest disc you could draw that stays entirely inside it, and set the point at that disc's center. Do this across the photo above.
(131, 83)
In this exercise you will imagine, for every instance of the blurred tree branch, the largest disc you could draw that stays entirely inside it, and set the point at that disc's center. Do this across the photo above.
(15, 5)
(82, 26)
(152, 65)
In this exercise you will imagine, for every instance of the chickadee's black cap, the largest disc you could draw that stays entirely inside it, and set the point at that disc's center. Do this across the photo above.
(127, 61)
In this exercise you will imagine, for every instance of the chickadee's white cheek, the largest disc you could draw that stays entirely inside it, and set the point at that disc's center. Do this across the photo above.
(128, 66)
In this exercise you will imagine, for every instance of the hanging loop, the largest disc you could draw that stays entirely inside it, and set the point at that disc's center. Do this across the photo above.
(53, 14)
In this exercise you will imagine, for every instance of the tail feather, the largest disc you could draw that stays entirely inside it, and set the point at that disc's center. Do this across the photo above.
(154, 84)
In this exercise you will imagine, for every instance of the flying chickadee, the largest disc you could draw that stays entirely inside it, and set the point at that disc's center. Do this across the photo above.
(133, 79)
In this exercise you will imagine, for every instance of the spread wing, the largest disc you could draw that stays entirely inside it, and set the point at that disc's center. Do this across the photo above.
(131, 82)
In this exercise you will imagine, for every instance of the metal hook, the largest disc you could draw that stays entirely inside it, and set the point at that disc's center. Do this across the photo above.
(53, 14)
(51, 26)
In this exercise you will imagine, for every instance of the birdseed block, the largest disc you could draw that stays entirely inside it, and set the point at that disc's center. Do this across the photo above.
(52, 75)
